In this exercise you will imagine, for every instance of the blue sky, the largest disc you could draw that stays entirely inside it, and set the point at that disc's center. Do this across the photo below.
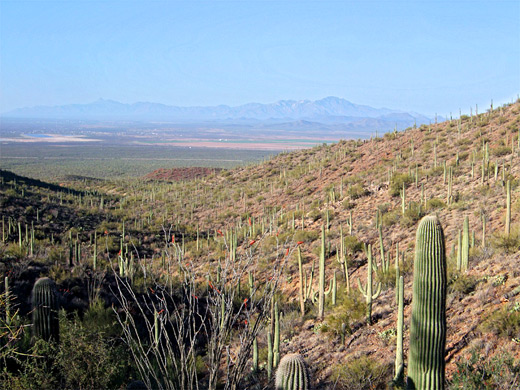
(424, 56)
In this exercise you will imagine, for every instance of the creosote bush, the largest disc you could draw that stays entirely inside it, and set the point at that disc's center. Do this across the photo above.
(363, 373)
(507, 243)
(504, 322)
(480, 372)
(350, 309)
(397, 181)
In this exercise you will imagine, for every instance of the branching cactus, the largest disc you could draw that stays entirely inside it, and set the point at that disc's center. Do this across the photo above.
(45, 310)
(293, 373)
(367, 291)
(426, 362)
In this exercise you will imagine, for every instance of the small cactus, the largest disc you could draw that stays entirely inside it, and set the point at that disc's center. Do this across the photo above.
(45, 310)
(293, 373)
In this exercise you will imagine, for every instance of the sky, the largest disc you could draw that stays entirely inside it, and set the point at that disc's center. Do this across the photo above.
(423, 56)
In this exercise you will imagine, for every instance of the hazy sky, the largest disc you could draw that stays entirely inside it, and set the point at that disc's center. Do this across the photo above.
(424, 56)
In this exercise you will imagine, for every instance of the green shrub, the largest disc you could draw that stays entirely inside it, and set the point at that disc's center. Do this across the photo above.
(507, 243)
(482, 373)
(352, 245)
(412, 214)
(434, 203)
(504, 322)
(397, 181)
(462, 283)
(500, 151)
(348, 205)
(362, 373)
(306, 235)
(392, 217)
(350, 308)
(356, 191)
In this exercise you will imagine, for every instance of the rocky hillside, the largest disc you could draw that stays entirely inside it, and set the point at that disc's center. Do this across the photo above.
(363, 192)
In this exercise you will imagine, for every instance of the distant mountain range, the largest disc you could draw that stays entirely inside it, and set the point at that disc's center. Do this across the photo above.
(339, 113)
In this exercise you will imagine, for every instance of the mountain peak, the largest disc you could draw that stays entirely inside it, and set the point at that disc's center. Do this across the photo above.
(330, 109)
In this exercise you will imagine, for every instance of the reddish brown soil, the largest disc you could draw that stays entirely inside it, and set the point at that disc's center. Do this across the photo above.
(181, 174)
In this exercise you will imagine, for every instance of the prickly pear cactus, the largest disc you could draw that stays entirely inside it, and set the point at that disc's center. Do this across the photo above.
(428, 328)
(45, 310)
(292, 373)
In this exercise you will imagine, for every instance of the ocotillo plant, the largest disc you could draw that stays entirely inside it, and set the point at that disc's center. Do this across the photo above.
(293, 373)
(45, 310)
(367, 291)
(428, 326)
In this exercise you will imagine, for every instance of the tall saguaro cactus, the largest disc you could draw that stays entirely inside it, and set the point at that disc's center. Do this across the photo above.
(399, 365)
(508, 208)
(367, 291)
(293, 373)
(321, 280)
(426, 362)
(45, 310)
(465, 244)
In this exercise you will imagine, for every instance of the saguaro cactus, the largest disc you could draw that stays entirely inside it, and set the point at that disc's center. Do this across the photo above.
(399, 365)
(293, 373)
(465, 244)
(45, 310)
(321, 290)
(428, 327)
(276, 341)
(367, 291)
(508, 208)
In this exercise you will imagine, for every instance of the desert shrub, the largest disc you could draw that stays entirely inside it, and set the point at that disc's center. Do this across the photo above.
(384, 208)
(356, 191)
(363, 373)
(387, 279)
(314, 214)
(348, 205)
(352, 245)
(500, 151)
(88, 359)
(391, 218)
(351, 307)
(439, 170)
(84, 359)
(462, 283)
(504, 322)
(482, 373)
(412, 214)
(306, 235)
(507, 243)
(434, 203)
(397, 181)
